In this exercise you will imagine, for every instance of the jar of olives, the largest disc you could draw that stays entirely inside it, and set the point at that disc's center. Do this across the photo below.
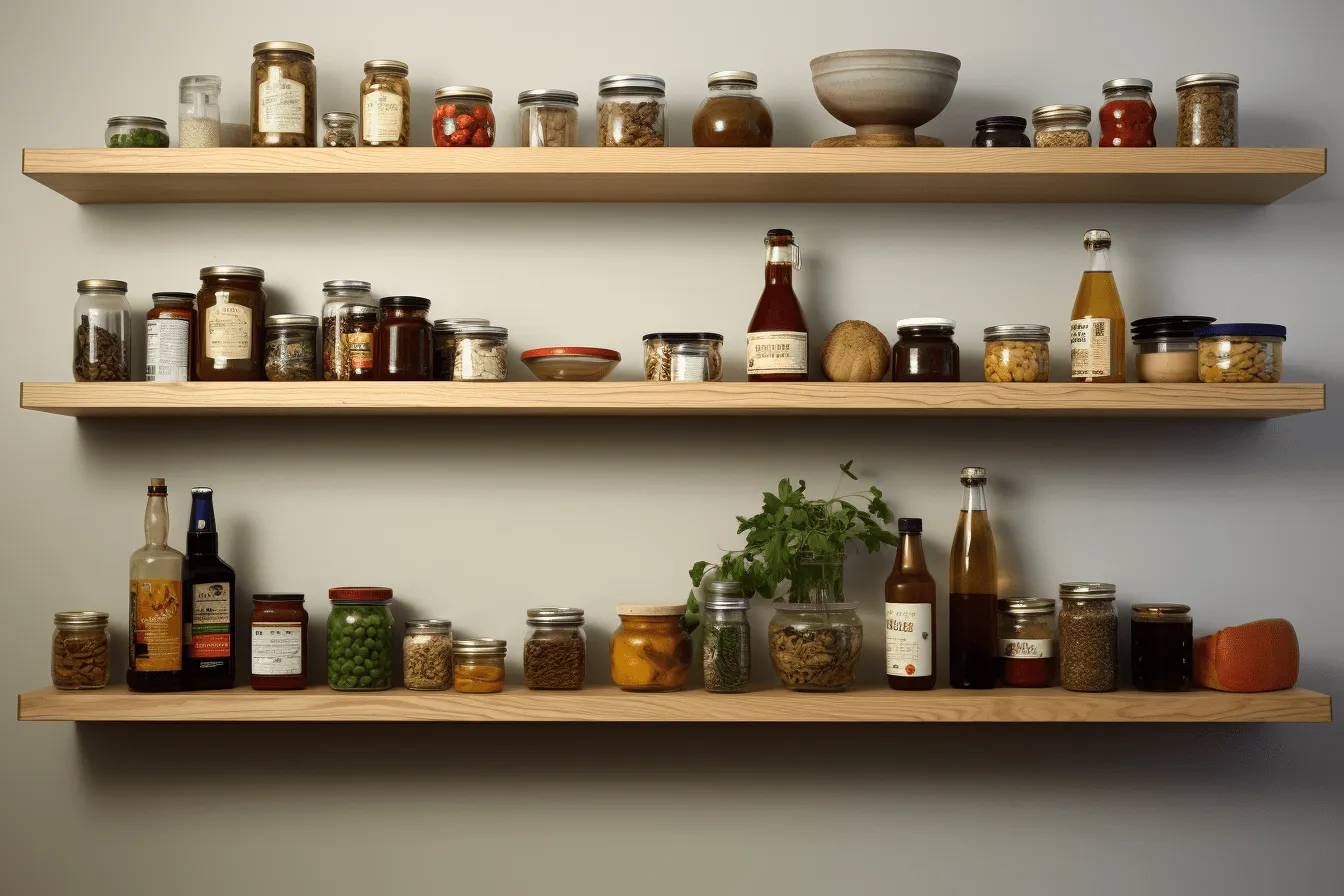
(359, 639)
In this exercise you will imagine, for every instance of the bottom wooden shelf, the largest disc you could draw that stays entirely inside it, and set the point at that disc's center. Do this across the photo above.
(608, 704)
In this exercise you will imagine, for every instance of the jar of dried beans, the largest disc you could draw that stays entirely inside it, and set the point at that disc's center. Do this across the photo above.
(555, 652)
(385, 103)
(349, 317)
(359, 639)
(427, 655)
(284, 94)
(478, 666)
(1062, 126)
(1206, 109)
(291, 348)
(650, 649)
(463, 117)
(1127, 113)
(102, 332)
(1027, 642)
(480, 354)
(1017, 353)
(445, 339)
(79, 654)
(548, 118)
(1087, 636)
(631, 111)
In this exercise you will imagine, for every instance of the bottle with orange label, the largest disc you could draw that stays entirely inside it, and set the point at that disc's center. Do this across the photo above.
(155, 661)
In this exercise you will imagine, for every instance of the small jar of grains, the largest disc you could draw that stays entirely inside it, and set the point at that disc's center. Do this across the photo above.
(1087, 636)
(427, 655)
(198, 111)
(1062, 126)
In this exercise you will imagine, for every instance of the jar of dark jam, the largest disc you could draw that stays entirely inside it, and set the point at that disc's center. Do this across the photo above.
(1001, 130)
(403, 347)
(279, 642)
(1161, 647)
(925, 352)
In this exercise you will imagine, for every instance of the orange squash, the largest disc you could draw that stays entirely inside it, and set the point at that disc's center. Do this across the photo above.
(1257, 656)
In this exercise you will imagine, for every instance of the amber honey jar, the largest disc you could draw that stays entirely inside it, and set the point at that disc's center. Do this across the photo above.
(650, 650)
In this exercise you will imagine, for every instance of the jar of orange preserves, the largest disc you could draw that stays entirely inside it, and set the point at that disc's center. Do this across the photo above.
(651, 649)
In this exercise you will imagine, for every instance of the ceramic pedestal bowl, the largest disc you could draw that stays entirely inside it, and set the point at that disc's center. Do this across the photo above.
(884, 94)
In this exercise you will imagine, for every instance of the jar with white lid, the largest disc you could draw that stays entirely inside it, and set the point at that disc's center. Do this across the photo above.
(1206, 109)
(1017, 353)
(548, 117)
(1062, 126)
(480, 354)
(632, 111)
(463, 116)
(198, 111)
(102, 332)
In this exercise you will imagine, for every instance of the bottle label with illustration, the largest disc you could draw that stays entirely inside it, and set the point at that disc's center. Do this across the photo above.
(382, 116)
(277, 649)
(777, 351)
(156, 620)
(359, 350)
(909, 640)
(167, 342)
(1090, 347)
(228, 332)
(1026, 648)
(280, 105)
(210, 620)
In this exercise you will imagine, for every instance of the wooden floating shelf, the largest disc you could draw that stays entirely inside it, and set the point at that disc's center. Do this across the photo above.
(672, 174)
(622, 398)
(607, 704)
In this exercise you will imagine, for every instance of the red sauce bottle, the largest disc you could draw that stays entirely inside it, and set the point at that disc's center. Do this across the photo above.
(777, 334)
(1127, 113)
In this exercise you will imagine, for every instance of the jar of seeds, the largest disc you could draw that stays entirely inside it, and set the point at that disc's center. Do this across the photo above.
(1206, 109)
(1062, 125)
(631, 111)
(427, 655)
(555, 653)
(291, 348)
(727, 644)
(1087, 636)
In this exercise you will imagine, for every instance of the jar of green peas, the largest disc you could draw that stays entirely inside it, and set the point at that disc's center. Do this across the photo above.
(359, 639)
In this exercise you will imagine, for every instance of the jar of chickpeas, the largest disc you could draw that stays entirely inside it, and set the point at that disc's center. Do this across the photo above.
(1241, 353)
(1017, 353)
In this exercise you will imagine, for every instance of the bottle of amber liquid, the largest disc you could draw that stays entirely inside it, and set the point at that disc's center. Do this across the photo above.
(155, 662)
(208, 586)
(911, 610)
(777, 334)
(1097, 325)
(973, 591)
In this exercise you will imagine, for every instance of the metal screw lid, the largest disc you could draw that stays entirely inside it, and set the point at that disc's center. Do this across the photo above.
(464, 92)
(1026, 606)
(291, 320)
(172, 298)
(339, 118)
(136, 121)
(414, 303)
(974, 475)
(540, 95)
(1023, 332)
(232, 270)
(81, 619)
(1127, 84)
(1100, 590)
(1097, 239)
(390, 66)
(452, 323)
(1224, 78)
(429, 627)
(1059, 112)
(1167, 612)
(291, 46)
(480, 647)
(498, 332)
(555, 616)
(648, 83)
(101, 285)
(733, 79)
(333, 285)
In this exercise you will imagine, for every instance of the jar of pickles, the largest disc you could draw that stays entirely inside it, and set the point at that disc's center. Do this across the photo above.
(427, 655)
(548, 117)
(1087, 636)
(359, 639)
(102, 332)
(555, 654)
(445, 339)
(291, 348)
(1062, 125)
(478, 665)
(1127, 113)
(136, 132)
(650, 649)
(284, 94)
(632, 111)
(463, 117)
(1017, 353)
(385, 103)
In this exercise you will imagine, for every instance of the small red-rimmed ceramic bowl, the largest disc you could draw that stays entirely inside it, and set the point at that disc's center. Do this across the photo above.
(571, 363)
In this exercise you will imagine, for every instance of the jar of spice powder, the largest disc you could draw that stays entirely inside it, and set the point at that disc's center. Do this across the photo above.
(732, 114)
(1127, 113)
(478, 666)
(427, 655)
(291, 348)
(555, 653)
(1027, 642)
(79, 651)
(1087, 636)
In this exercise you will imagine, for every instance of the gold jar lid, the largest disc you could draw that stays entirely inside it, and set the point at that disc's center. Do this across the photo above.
(1160, 612)
(387, 66)
(282, 46)
(1026, 606)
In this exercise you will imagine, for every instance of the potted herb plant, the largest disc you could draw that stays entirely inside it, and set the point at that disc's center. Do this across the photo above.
(815, 635)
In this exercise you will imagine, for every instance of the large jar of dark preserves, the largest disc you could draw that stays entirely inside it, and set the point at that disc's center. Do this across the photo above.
(230, 323)
(284, 94)
(1161, 647)
(925, 352)
(279, 642)
(732, 114)
(403, 347)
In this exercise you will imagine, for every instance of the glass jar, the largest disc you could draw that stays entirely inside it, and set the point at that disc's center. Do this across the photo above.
(169, 338)
(1161, 647)
(427, 655)
(79, 651)
(732, 114)
(1087, 636)
(548, 117)
(385, 103)
(284, 94)
(1206, 109)
(445, 340)
(279, 642)
(1241, 353)
(291, 348)
(136, 132)
(339, 129)
(478, 666)
(631, 111)
(1027, 642)
(1017, 353)
(359, 639)
(925, 351)
(816, 637)
(1167, 349)
(1127, 113)
(480, 354)
(1062, 126)
(650, 649)
(1001, 130)
(726, 650)
(349, 318)
(463, 117)
(403, 346)
(198, 111)
(660, 347)
(230, 323)
(102, 332)
(690, 363)
(555, 653)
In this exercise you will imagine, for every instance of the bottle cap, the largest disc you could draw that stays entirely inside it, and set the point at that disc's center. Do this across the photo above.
(910, 525)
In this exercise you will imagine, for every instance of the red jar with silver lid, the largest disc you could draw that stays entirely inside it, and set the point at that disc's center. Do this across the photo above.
(1127, 113)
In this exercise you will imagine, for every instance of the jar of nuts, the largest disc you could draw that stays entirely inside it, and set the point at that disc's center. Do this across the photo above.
(548, 118)
(79, 651)
(1062, 125)
(1017, 353)
(631, 111)
(1241, 353)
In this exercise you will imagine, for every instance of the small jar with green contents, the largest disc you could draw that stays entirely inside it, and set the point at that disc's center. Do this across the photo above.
(359, 639)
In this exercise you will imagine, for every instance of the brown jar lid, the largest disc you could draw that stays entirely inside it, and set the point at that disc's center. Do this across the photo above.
(360, 592)
(1160, 611)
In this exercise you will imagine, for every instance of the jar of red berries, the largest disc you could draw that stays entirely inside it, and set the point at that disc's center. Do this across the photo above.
(463, 117)
(1127, 113)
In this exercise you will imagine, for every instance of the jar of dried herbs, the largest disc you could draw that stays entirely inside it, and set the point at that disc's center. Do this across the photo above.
(427, 655)
(385, 103)
(291, 348)
(79, 654)
(284, 94)
(102, 332)
(1087, 636)
(480, 354)
(631, 111)
(727, 639)
(445, 339)
(349, 317)
(1206, 109)
(478, 665)
(555, 653)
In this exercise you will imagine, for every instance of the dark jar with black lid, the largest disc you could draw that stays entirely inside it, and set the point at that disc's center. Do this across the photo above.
(1001, 130)
(1161, 647)
(279, 642)
(403, 346)
(925, 352)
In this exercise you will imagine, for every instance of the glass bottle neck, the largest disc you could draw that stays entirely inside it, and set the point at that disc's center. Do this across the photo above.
(973, 498)
(911, 553)
(201, 535)
(156, 520)
(780, 261)
(1098, 260)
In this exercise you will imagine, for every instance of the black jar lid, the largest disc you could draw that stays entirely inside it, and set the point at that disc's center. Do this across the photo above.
(1177, 326)
(778, 231)
(417, 303)
(278, 598)
(1000, 122)
(684, 337)
(910, 525)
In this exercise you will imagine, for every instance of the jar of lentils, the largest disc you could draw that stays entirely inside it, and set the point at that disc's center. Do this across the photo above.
(1062, 126)
(1087, 636)
(1206, 109)
(427, 655)
(548, 117)
(631, 111)
(555, 653)
(1017, 353)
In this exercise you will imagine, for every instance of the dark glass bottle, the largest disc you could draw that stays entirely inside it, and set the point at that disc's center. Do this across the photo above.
(155, 661)
(777, 334)
(208, 585)
(912, 599)
(973, 591)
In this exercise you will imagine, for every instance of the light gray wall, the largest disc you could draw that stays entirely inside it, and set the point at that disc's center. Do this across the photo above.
(479, 519)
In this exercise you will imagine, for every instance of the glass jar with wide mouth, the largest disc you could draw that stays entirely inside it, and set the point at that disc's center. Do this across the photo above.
(1167, 349)
(284, 94)
(1017, 353)
(385, 103)
(726, 646)
(1127, 115)
(445, 339)
(632, 111)
(1087, 636)
(1206, 109)
(925, 351)
(1241, 353)
(102, 332)
(548, 117)
(1028, 640)
(480, 354)
(198, 111)
(279, 642)
(650, 649)
(349, 318)
(339, 130)
(359, 639)
(660, 349)
(169, 337)
(291, 348)
(79, 651)
(555, 654)
(230, 323)
(403, 346)
(732, 114)
(1000, 131)
(427, 655)
(463, 116)
(478, 665)
(1062, 126)
(136, 132)
(816, 636)
(1161, 647)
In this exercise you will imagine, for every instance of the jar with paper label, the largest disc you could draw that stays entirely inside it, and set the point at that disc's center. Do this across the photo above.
(230, 323)
(284, 94)
(777, 334)
(1028, 636)
(168, 337)
(279, 642)
(385, 103)
(349, 318)
(1097, 344)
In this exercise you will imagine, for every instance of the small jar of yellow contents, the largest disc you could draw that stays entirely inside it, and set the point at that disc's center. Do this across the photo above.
(650, 650)
(1017, 353)
(478, 666)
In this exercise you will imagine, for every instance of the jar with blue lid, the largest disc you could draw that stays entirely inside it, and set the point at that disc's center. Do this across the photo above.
(1241, 353)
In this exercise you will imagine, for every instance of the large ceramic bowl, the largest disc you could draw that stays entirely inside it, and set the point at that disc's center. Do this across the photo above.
(888, 92)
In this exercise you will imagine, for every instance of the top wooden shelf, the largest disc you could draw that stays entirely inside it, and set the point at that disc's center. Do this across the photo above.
(674, 174)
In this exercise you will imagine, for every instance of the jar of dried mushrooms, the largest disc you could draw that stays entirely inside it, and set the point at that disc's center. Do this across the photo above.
(631, 111)
(385, 103)
(427, 655)
(480, 354)
(102, 332)
(79, 654)
(284, 94)
(548, 118)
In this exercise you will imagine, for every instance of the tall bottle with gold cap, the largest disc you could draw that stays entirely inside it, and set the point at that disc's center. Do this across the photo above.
(1097, 335)
(155, 661)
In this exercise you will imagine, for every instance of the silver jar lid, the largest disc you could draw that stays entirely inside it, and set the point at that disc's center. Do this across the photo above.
(497, 332)
(726, 595)
(429, 627)
(1097, 590)
(647, 83)
(1026, 606)
(464, 92)
(733, 79)
(479, 647)
(555, 616)
(336, 285)
(1060, 112)
(1225, 78)
(389, 66)
(289, 46)
(81, 619)
(101, 285)
(232, 270)
(136, 121)
(451, 324)
(1020, 332)
(339, 118)
(1097, 239)
(547, 95)
(1127, 84)
(291, 320)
